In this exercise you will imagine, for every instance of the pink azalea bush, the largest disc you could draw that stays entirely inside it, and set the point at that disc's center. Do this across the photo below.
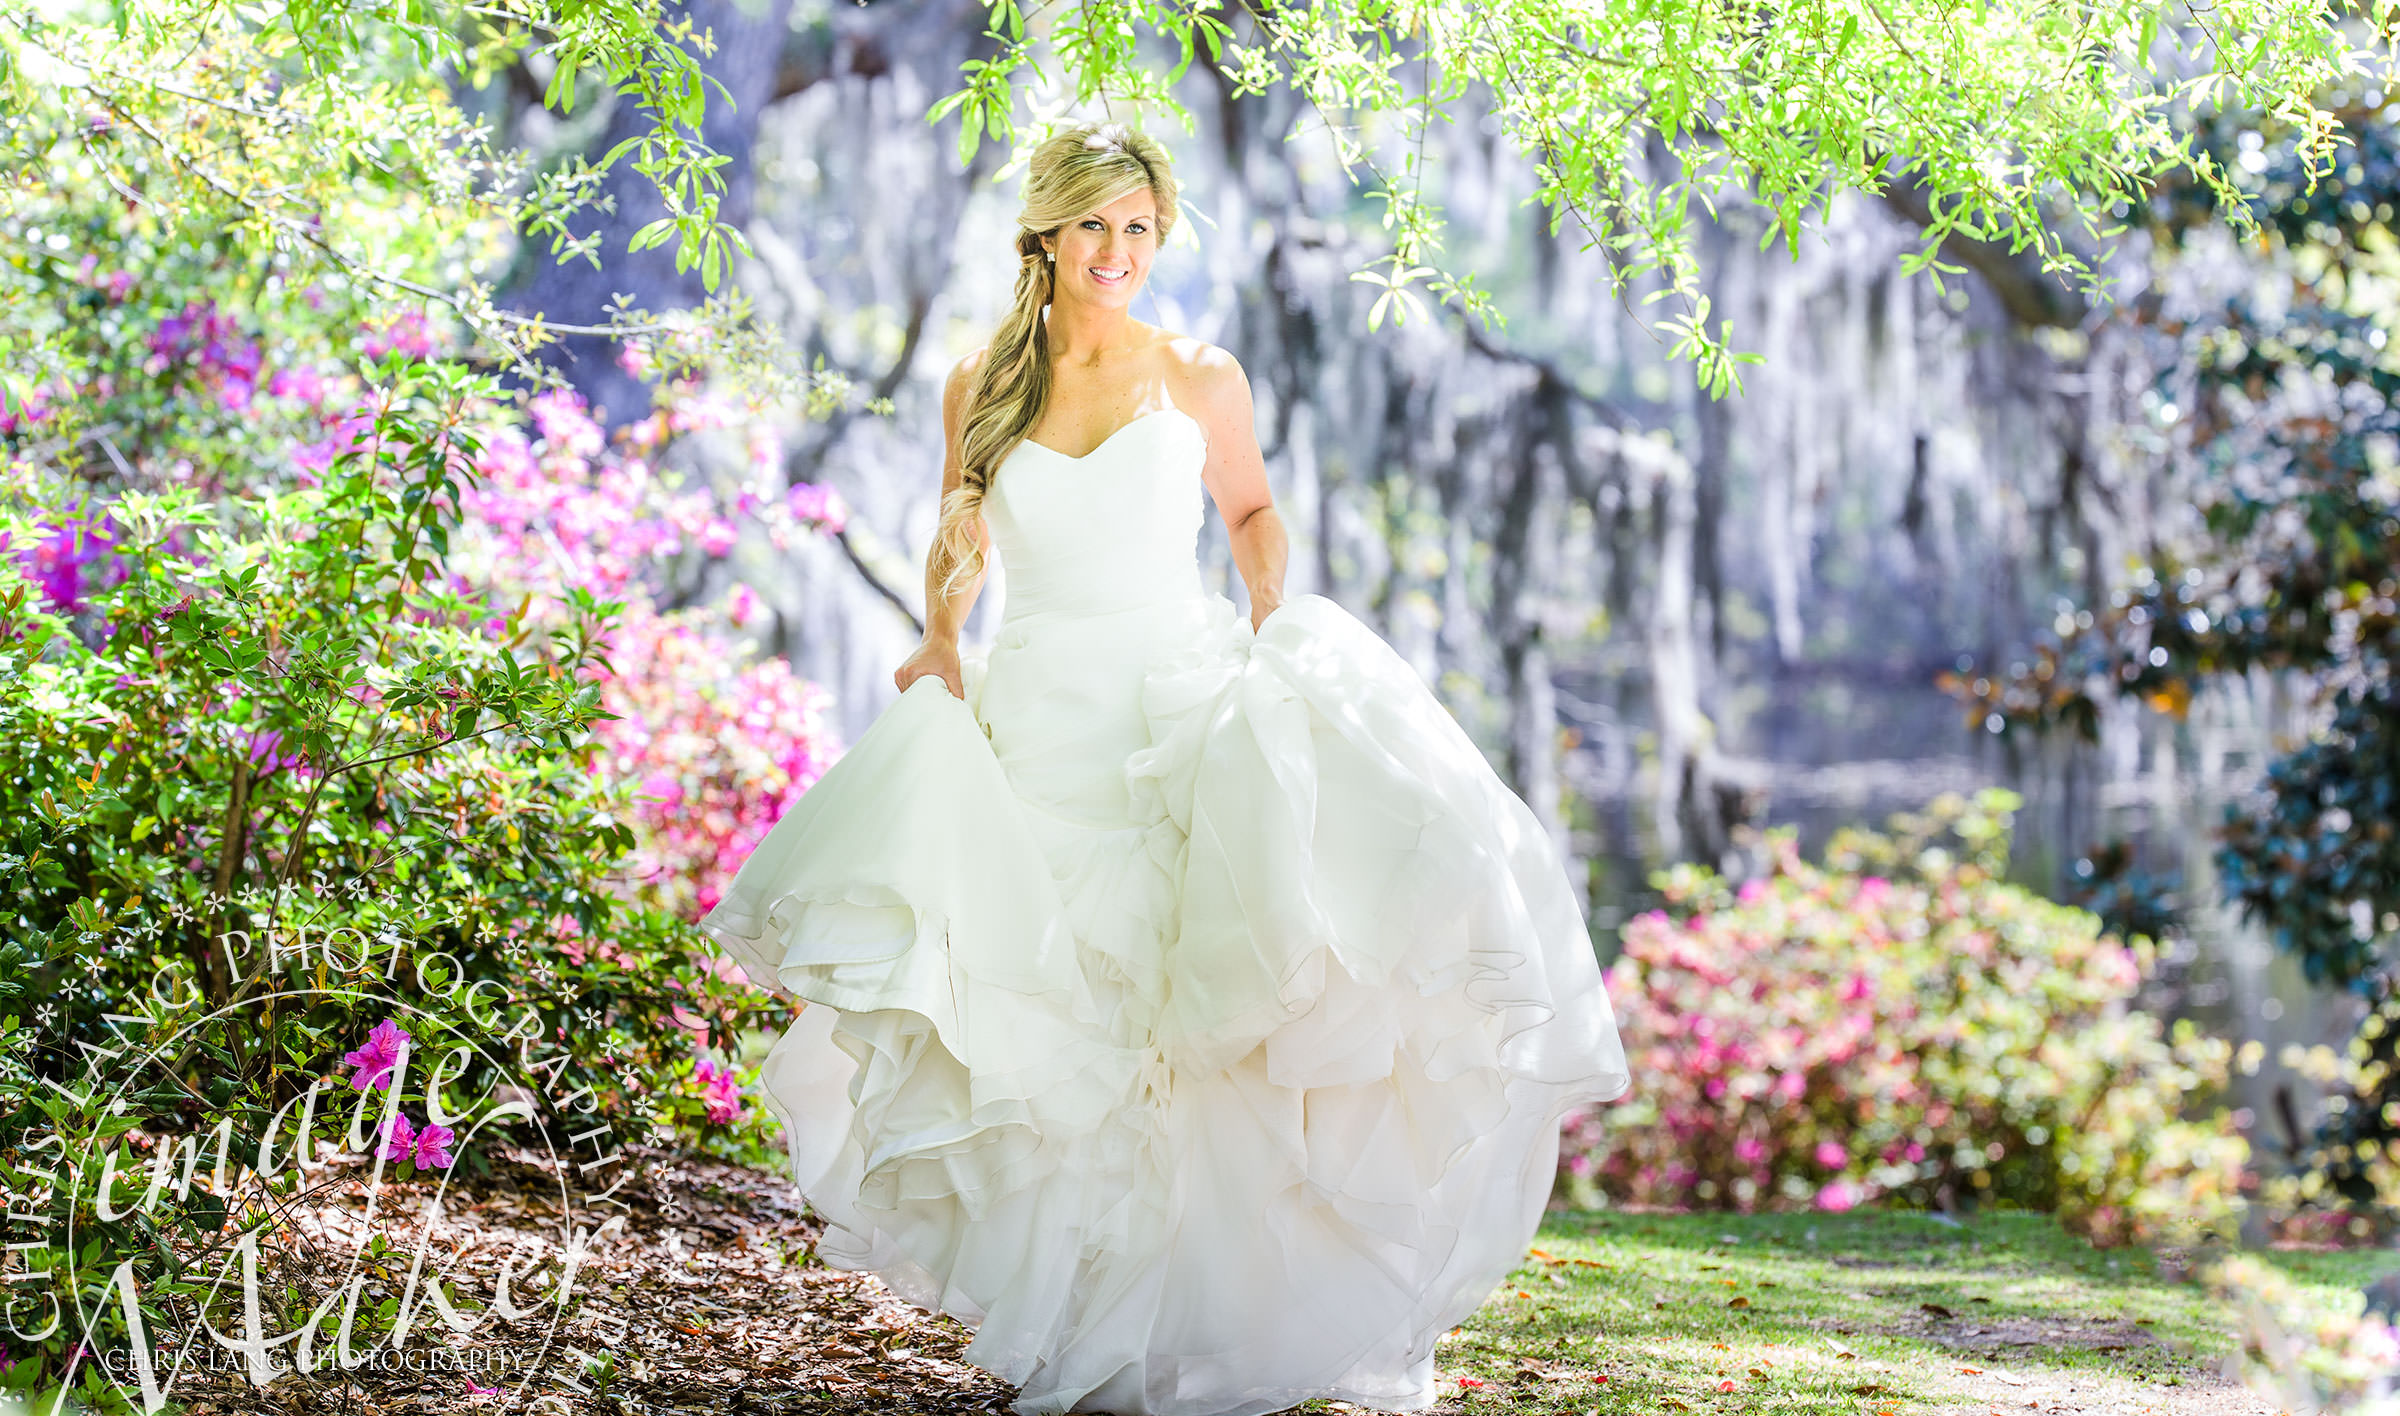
(721, 752)
(1821, 1039)
(719, 747)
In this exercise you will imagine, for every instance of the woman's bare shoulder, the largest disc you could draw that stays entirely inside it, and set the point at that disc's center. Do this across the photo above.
(1203, 373)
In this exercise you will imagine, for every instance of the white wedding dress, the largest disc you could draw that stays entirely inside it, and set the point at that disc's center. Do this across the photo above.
(1197, 1008)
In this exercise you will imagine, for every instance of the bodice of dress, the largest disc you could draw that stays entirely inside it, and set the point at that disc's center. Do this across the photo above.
(1115, 528)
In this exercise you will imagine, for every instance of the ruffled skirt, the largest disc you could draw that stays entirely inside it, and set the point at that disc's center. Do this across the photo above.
(1199, 1010)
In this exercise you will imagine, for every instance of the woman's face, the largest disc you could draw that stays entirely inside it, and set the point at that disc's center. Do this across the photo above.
(1103, 258)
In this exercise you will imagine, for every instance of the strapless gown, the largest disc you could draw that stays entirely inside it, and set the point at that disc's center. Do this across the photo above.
(1195, 1008)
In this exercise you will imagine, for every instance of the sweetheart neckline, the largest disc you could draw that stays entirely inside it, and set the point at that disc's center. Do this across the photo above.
(1121, 428)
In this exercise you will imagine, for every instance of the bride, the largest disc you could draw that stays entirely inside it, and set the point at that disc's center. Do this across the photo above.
(1196, 1008)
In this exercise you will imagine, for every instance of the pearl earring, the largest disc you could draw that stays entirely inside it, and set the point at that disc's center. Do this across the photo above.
(1053, 255)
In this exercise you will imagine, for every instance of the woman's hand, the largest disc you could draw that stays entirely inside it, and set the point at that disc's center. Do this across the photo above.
(938, 657)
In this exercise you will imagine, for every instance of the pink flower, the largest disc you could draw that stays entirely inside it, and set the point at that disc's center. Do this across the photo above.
(766, 449)
(1752, 892)
(427, 1149)
(818, 505)
(1833, 1155)
(564, 425)
(1749, 1150)
(723, 1091)
(261, 749)
(1837, 1196)
(76, 552)
(743, 606)
(376, 1060)
(303, 384)
(408, 333)
(634, 359)
(33, 408)
(433, 1147)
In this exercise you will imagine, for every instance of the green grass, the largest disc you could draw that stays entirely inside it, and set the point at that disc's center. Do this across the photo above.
(1858, 1313)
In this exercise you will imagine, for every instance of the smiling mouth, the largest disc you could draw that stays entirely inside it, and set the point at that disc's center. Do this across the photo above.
(1105, 275)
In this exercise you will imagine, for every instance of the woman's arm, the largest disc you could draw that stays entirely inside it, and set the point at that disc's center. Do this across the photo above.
(946, 615)
(1236, 475)
(1259, 551)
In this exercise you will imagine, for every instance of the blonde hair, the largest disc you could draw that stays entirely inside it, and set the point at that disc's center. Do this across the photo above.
(1072, 173)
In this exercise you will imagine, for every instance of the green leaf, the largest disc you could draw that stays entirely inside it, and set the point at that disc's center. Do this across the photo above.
(651, 234)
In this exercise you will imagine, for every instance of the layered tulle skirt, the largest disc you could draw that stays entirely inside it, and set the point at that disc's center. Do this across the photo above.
(1198, 1009)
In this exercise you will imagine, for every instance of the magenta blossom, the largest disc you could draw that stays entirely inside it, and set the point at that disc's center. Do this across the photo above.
(302, 384)
(426, 1148)
(723, 1091)
(32, 409)
(76, 552)
(743, 606)
(261, 749)
(376, 1062)
(408, 333)
(1839, 1195)
(818, 505)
